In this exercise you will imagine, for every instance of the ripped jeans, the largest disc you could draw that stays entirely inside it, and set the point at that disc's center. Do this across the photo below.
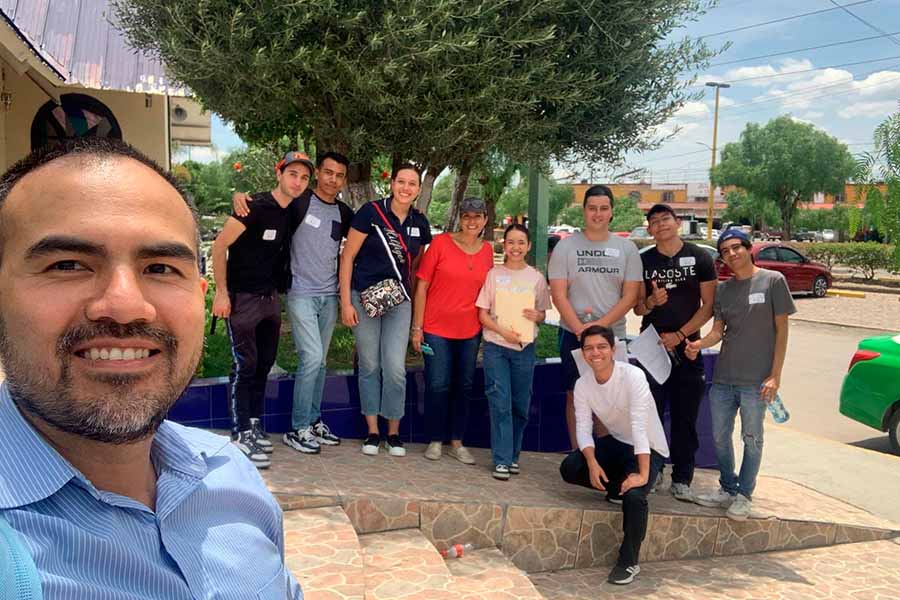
(725, 401)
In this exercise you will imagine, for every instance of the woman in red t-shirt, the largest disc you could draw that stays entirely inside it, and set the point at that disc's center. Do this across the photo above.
(446, 320)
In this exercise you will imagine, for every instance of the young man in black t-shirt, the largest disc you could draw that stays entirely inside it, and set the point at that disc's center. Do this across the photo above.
(677, 299)
(247, 295)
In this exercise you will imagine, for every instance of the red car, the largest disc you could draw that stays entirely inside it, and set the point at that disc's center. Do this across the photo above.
(803, 275)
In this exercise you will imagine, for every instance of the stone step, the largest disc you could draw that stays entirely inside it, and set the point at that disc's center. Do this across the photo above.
(488, 574)
(869, 570)
(403, 564)
(323, 552)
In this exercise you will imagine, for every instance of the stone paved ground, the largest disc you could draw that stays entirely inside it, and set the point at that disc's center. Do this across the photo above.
(879, 311)
(869, 571)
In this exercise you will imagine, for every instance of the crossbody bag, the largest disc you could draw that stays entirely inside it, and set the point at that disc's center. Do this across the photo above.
(380, 297)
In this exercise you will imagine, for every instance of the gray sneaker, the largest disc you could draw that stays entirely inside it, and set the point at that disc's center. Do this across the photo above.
(718, 499)
(302, 440)
(740, 508)
(261, 437)
(434, 451)
(683, 492)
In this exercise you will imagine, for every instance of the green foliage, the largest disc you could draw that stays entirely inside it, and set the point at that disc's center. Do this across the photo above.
(514, 201)
(209, 184)
(439, 208)
(812, 219)
(873, 210)
(571, 215)
(863, 257)
(786, 161)
(626, 215)
(854, 220)
(436, 81)
(760, 212)
(256, 172)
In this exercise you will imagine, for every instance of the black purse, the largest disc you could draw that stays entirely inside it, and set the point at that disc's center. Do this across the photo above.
(379, 298)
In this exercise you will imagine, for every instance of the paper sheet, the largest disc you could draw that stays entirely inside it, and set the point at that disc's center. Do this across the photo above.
(509, 306)
(584, 367)
(652, 355)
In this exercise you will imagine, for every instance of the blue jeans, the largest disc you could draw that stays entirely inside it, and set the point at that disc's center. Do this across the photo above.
(381, 347)
(312, 323)
(449, 376)
(724, 402)
(508, 376)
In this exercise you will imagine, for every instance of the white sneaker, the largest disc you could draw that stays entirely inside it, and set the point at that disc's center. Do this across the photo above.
(433, 452)
(261, 437)
(740, 508)
(395, 446)
(717, 499)
(302, 440)
(683, 492)
(370, 446)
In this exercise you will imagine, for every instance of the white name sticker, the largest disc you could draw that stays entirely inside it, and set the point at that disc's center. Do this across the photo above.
(414, 231)
(612, 252)
(269, 234)
(687, 261)
(758, 298)
(504, 279)
(312, 220)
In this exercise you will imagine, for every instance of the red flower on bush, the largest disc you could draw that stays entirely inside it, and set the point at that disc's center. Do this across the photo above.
(237, 166)
(385, 174)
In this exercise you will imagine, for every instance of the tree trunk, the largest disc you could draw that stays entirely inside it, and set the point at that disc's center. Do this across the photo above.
(491, 220)
(459, 192)
(359, 188)
(424, 200)
(786, 214)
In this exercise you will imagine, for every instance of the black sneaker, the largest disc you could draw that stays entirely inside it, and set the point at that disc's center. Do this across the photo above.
(247, 445)
(323, 434)
(395, 446)
(614, 499)
(623, 575)
(370, 446)
(302, 440)
(261, 437)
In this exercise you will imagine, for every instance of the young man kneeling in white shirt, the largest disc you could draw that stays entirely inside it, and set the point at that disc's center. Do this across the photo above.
(627, 458)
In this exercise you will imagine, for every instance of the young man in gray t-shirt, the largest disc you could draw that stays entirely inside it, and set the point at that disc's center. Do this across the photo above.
(595, 278)
(751, 318)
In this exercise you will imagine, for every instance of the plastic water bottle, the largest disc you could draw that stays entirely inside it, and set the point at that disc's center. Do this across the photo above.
(778, 411)
(457, 550)
(587, 316)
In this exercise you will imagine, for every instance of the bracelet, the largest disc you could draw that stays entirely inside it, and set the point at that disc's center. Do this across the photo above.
(414, 328)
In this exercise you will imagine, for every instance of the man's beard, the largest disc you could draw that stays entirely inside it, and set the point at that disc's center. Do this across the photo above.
(118, 416)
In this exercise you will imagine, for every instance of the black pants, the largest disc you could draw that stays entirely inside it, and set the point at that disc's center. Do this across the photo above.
(253, 327)
(618, 460)
(683, 391)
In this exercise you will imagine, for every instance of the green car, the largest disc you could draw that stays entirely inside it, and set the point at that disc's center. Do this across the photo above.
(871, 390)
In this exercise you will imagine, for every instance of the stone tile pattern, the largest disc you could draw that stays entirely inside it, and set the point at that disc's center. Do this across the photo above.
(323, 553)
(446, 523)
(488, 574)
(867, 571)
(541, 539)
(403, 564)
(369, 515)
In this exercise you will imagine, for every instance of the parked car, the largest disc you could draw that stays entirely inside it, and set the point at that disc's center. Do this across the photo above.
(623, 234)
(712, 251)
(804, 236)
(870, 393)
(828, 235)
(802, 274)
(639, 233)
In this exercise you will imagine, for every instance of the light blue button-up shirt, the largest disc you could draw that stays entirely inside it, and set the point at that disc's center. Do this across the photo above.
(216, 532)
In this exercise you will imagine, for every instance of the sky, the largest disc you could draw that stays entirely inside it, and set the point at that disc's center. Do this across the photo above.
(817, 86)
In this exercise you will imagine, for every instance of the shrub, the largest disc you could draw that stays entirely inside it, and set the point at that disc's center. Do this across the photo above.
(866, 257)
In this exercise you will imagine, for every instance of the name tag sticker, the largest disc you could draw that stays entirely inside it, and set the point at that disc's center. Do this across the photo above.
(269, 234)
(612, 252)
(758, 298)
(312, 220)
(504, 279)
(414, 231)
(687, 261)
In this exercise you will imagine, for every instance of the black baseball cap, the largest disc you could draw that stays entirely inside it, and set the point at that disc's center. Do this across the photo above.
(295, 157)
(472, 204)
(660, 208)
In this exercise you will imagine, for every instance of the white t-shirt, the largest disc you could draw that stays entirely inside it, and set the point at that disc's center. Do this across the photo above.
(502, 278)
(595, 273)
(624, 405)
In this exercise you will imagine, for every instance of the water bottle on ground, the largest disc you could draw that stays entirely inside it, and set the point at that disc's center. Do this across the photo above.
(777, 410)
(457, 550)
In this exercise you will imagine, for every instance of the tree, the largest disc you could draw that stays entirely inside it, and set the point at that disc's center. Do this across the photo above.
(514, 201)
(626, 215)
(439, 82)
(883, 164)
(786, 161)
(209, 184)
(571, 215)
(750, 209)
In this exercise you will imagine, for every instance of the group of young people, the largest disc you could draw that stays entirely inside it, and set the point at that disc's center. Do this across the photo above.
(396, 285)
(619, 441)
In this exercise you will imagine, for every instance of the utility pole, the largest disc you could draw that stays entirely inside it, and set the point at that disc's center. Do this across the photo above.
(712, 194)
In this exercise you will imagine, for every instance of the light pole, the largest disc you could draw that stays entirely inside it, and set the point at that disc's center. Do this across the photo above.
(709, 210)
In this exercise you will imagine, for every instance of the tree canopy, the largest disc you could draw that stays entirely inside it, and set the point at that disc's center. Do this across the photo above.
(786, 161)
(439, 82)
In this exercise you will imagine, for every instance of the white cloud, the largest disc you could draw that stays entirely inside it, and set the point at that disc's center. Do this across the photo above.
(813, 114)
(724, 101)
(786, 67)
(693, 110)
(882, 82)
(868, 109)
